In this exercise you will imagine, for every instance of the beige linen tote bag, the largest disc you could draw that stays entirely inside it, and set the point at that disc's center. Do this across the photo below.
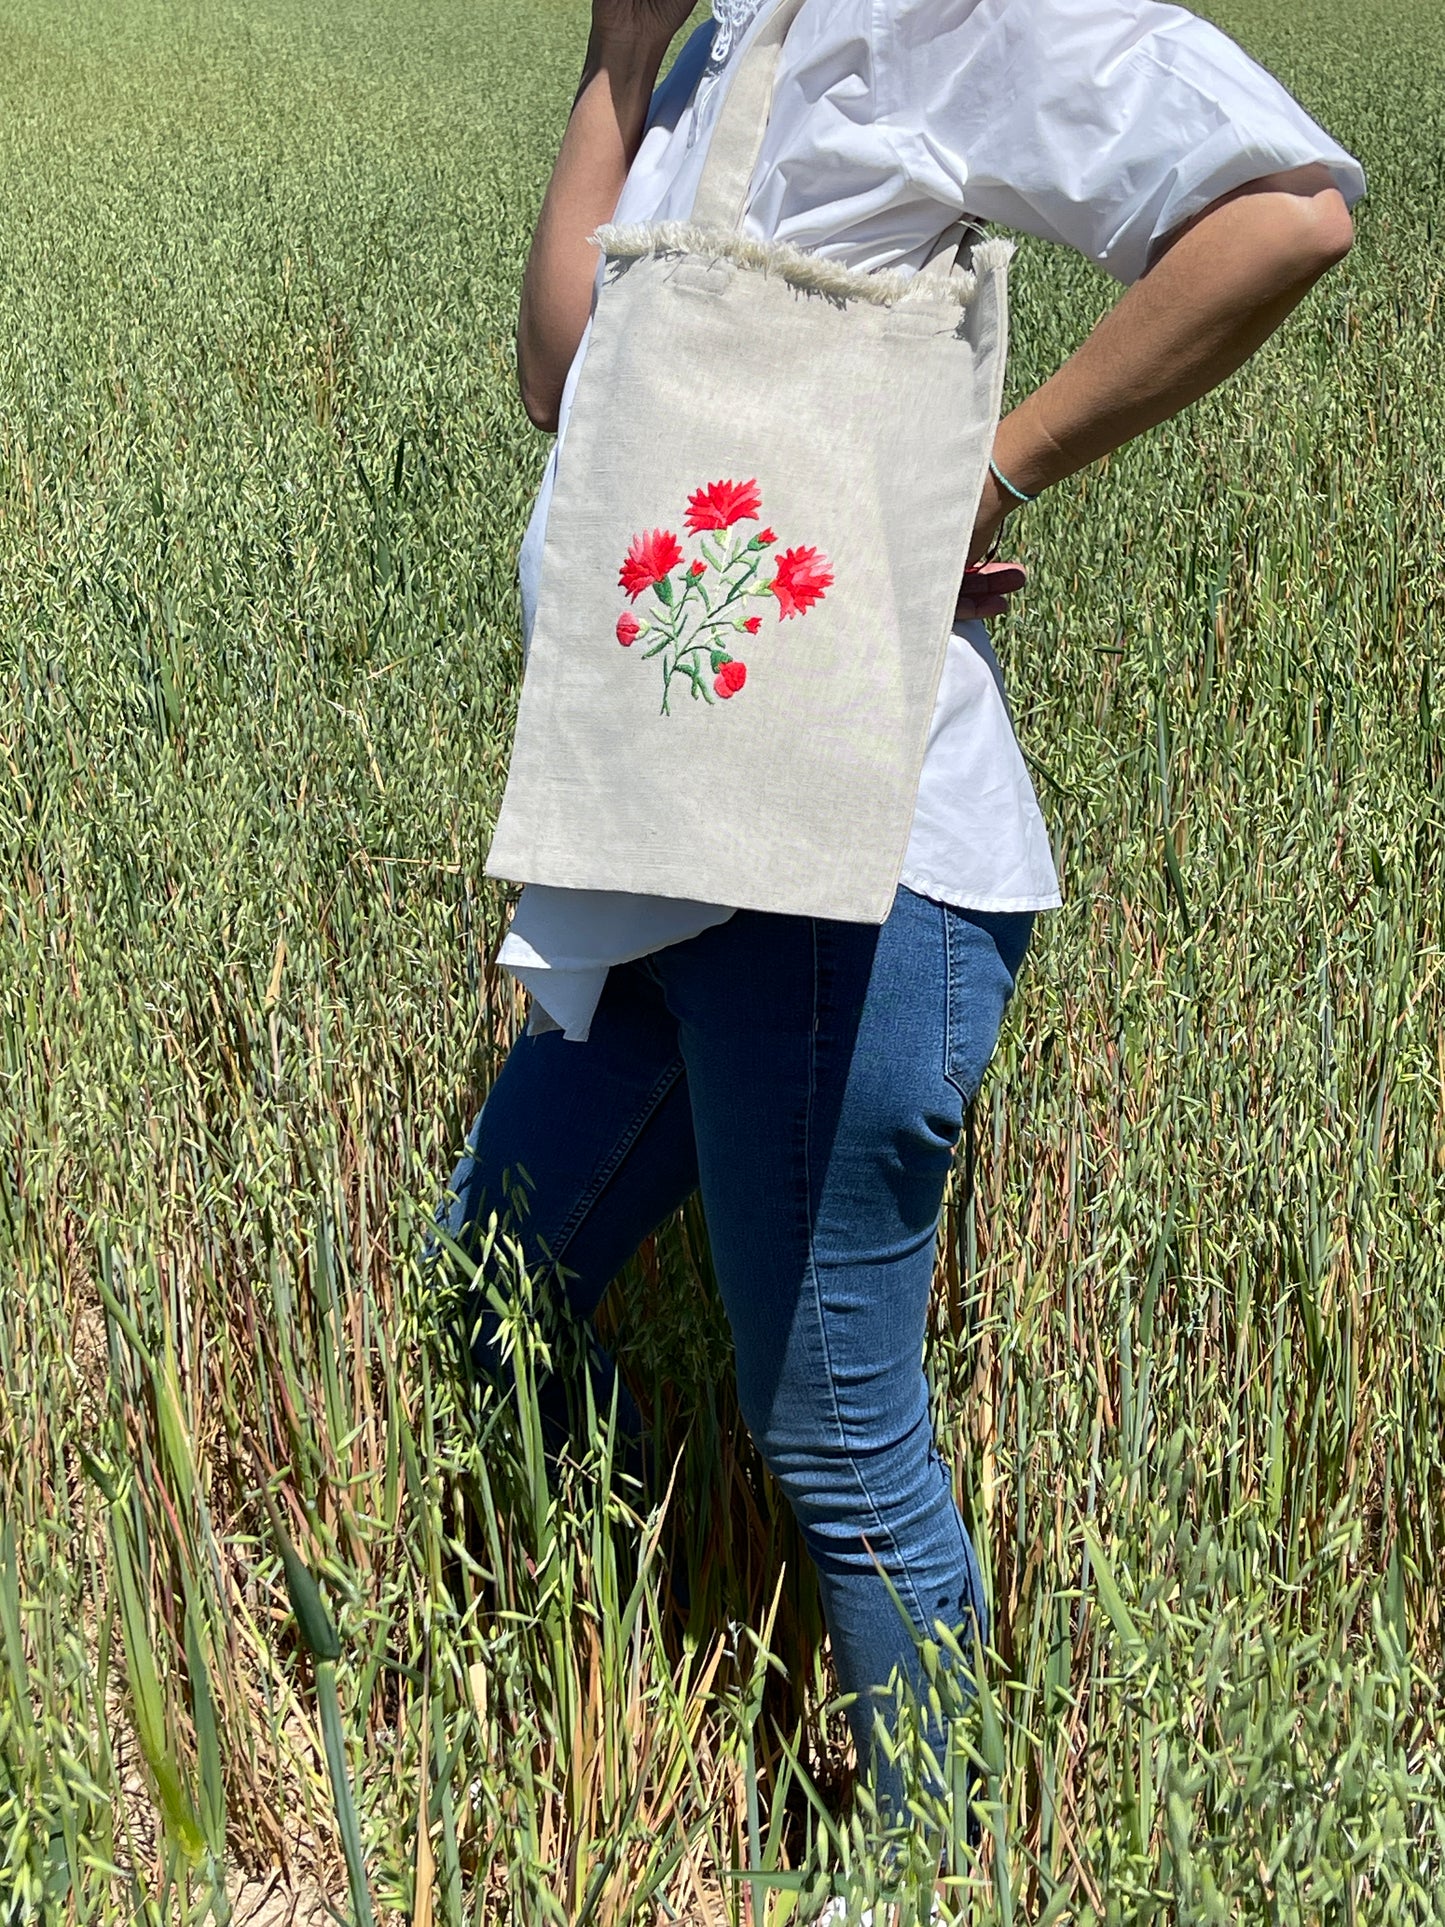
(762, 514)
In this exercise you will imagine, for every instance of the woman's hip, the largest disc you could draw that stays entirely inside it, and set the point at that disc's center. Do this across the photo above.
(880, 1020)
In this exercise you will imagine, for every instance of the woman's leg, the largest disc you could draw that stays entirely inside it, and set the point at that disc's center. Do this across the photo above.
(581, 1150)
(829, 1065)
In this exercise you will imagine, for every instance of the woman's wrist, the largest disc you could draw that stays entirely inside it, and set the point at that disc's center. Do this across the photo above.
(626, 73)
(1025, 461)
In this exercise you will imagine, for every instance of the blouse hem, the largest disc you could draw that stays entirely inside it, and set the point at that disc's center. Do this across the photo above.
(986, 905)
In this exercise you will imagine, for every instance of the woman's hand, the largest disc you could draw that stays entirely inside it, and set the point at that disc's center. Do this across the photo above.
(646, 23)
(988, 587)
(993, 506)
(988, 590)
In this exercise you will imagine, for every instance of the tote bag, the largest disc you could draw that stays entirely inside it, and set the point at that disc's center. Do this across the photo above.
(762, 513)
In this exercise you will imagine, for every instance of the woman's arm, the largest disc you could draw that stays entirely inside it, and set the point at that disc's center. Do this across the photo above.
(628, 42)
(1215, 290)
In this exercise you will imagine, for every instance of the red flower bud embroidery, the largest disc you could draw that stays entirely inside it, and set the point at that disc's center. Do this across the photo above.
(628, 628)
(697, 569)
(753, 624)
(730, 679)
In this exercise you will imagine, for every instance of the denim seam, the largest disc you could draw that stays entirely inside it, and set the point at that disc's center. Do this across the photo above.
(950, 951)
(608, 1168)
(885, 1535)
(948, 1001)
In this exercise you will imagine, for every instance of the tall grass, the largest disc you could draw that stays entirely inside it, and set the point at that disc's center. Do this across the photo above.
(262, 475)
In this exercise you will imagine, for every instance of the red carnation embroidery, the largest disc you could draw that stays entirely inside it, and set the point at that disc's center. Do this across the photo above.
(803, 578)
(695, 614)
(649, 561)
(721, 504)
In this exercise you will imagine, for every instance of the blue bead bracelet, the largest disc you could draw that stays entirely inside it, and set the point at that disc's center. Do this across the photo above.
(1004, 482)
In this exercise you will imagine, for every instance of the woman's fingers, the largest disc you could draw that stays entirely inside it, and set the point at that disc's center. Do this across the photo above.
(652, 20)
(987, 589)
(969, 610)
(994, 578)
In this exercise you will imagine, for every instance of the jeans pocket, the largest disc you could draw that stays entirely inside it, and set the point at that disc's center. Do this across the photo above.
(985, 952)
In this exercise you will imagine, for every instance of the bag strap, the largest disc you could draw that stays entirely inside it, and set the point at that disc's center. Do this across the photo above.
(732, 156)
(722, 192)
(951, 249)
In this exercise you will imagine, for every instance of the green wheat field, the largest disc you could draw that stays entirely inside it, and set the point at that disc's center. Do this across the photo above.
(290, 1617)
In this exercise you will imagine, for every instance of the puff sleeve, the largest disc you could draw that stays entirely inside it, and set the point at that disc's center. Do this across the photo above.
(1102, 124)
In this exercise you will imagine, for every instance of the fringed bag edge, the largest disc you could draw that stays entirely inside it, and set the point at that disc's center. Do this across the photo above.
(809, 272)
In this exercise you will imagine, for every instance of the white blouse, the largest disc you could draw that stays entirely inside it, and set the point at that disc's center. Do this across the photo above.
(1102, 124)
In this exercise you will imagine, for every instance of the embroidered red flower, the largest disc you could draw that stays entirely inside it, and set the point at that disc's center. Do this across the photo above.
(764, 539)
(721, 504)
(753, 624)
(649, 561)
(628, 628)
(803, 578)
(730, 679)
(698, 568)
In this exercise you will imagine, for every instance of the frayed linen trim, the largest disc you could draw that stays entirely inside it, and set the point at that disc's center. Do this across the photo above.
(810, 272)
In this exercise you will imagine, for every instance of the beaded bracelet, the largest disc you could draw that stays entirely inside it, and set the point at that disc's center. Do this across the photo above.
(1004, 482)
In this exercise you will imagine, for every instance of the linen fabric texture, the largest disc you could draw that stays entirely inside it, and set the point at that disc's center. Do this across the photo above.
(752, 556)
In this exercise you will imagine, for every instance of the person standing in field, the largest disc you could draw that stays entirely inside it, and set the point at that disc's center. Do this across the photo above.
(811, 1077)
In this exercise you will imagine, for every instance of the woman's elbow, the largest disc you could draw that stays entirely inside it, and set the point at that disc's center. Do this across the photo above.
(1328, 230)
(541, 398)
(540, 413)
(541, 405)
(1296, 221)
(1308, 221)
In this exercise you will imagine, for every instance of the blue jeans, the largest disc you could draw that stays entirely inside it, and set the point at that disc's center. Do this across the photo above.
(811, 1078)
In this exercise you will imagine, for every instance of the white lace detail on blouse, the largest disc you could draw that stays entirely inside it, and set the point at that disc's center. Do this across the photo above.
(733, 18)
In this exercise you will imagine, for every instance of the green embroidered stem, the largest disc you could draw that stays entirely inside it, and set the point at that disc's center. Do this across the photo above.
(699, 685)
(672, 648)
(715, 616)
(681, 668)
